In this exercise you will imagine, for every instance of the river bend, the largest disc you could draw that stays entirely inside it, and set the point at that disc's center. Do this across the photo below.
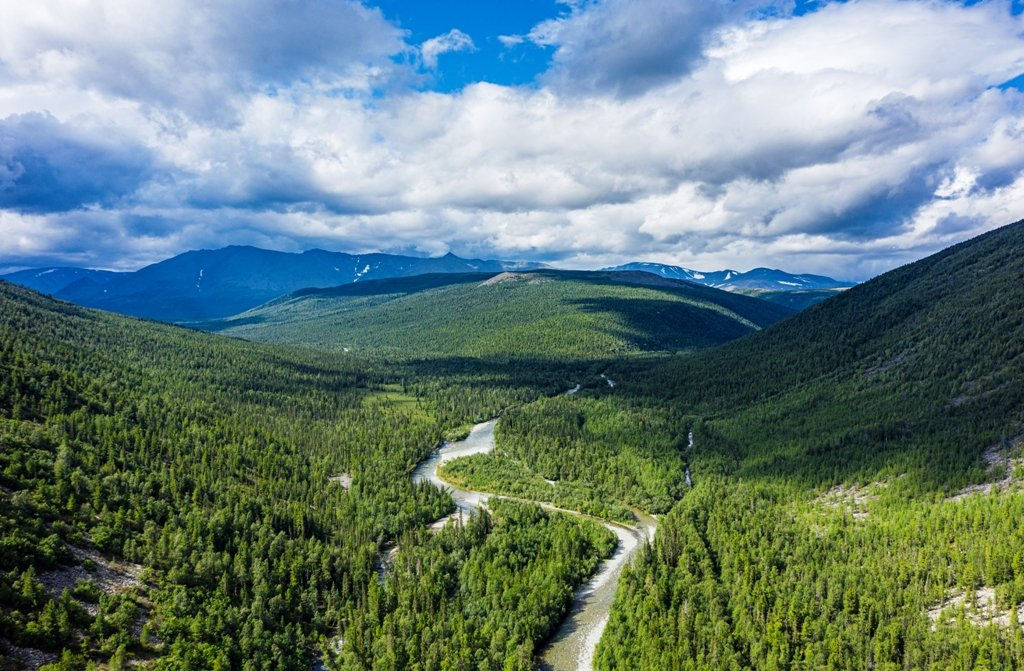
(573, 644)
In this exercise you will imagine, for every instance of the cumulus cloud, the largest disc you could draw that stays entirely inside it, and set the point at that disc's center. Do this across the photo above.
(453, 40)
(192, 55)
(509, 41)
(844, 141)
(629, 46)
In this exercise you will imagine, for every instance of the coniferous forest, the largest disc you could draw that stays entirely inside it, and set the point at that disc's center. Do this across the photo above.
(168, 495)
(840, 488)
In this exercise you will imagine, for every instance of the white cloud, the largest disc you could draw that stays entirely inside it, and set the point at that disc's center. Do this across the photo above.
(188, 54)
(453, 40)
(629, 46)
(845, 142)
(509, 41)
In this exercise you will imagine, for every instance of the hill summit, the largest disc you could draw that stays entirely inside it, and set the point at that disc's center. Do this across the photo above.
(536, 313)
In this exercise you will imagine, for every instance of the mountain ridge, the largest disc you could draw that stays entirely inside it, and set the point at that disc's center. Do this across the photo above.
(215, 283)
(537, 312)
(760, 278)
(205, 284)
(53, 279)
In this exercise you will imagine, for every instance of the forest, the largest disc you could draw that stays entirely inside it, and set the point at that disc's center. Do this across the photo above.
(479, 596)
(856, 499)
(167, 495)
(544, 315)
(837, 489)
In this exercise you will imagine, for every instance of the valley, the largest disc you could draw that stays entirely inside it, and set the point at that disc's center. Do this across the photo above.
(572, 646)
(560, 335)
(828, 486)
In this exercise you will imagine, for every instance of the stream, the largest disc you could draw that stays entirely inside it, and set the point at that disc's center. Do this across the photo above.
(573, 644)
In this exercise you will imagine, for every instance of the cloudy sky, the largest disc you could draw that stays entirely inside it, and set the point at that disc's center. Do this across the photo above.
(837, 137)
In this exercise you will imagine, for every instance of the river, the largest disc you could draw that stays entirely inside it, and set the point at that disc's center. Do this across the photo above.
(479, 441)
(572, 647)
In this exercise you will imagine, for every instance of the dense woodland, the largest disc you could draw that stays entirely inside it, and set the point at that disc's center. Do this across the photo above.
(598, 455)
(829, 513)
(837, 517)
(479, 596)
(206, 462)
(541, 315)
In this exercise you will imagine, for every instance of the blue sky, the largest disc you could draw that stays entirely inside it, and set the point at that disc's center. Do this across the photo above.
(485, 22)
(842, 138)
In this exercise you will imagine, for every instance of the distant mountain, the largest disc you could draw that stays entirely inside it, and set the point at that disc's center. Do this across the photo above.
(762, 279)
(210, 284)
(52, 280)
(545, 313)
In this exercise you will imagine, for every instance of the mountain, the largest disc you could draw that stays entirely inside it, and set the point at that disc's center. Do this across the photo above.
(765, 279)
(542, 313)
(854, 479)
(209, 284)
(946, 326)
(53, 280)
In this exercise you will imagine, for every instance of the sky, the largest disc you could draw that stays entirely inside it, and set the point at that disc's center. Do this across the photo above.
(842, 138)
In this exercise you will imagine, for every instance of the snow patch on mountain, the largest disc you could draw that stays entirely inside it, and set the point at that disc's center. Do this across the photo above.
(756, 279)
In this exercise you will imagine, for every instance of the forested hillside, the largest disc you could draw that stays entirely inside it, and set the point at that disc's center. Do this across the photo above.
(537, 314)
(839, 516)
(874, 439)
(170, 497)
(838, 490)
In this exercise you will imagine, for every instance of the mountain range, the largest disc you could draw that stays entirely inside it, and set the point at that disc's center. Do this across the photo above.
(209, 284)
(54, 279)
(758, 279)
(212, 284)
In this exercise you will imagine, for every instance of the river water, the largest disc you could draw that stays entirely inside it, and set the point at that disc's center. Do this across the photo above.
(572, 647)
(479, 441)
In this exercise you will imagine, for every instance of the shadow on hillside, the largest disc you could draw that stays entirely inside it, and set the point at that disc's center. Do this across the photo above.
(548, 374)
(758, 311)
(655, 325)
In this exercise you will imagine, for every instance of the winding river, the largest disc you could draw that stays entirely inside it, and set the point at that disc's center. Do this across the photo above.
(572, 647)
(479, 441)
